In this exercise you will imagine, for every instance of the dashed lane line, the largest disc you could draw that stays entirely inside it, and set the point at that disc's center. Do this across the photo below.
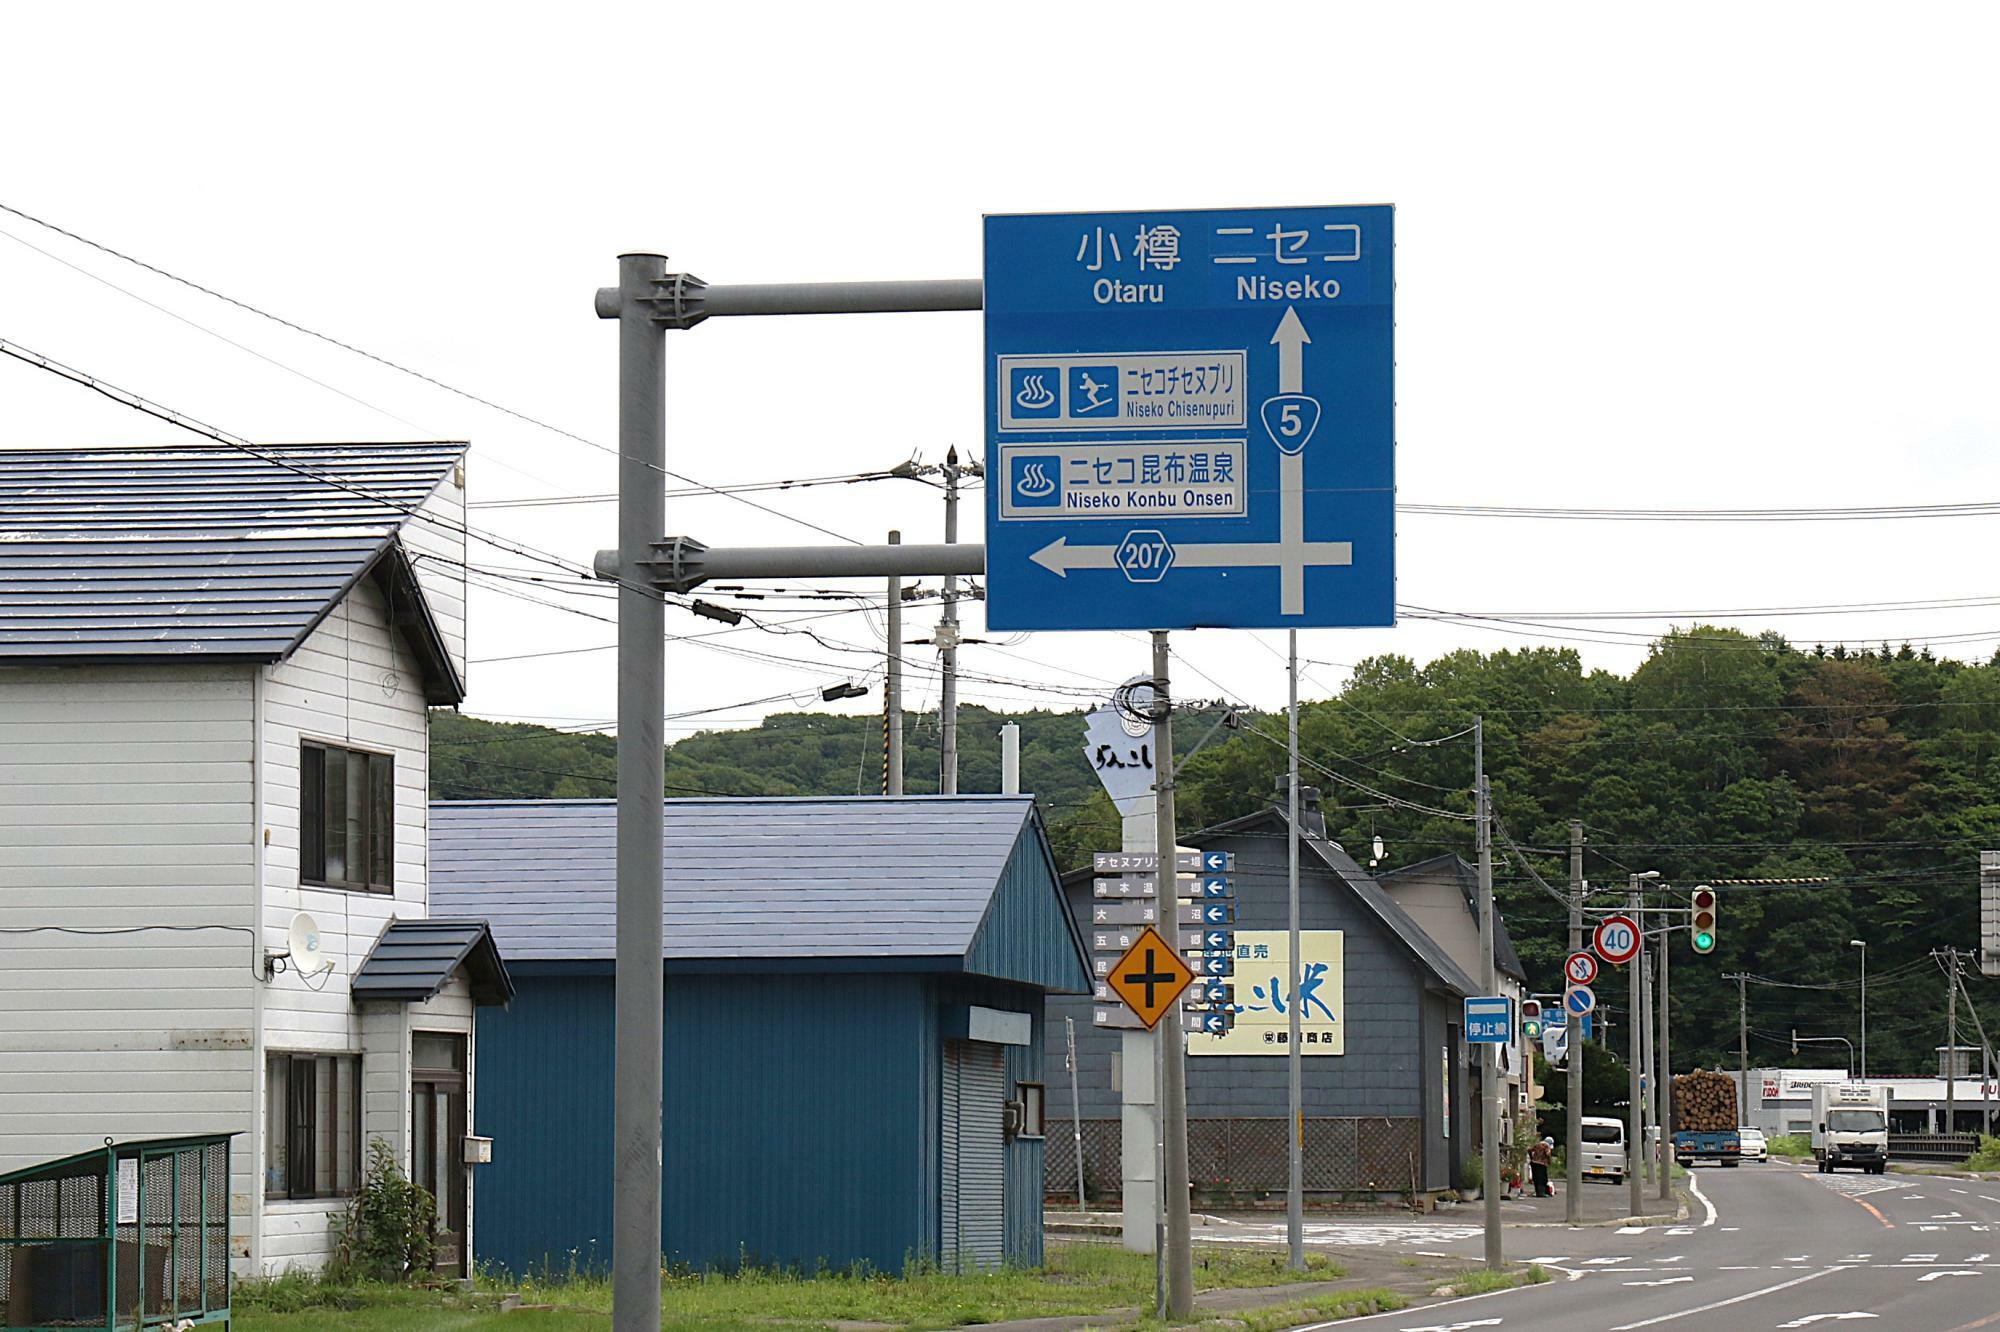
(1723, 1304)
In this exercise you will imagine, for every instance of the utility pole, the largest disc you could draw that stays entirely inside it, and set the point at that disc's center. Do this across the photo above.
(1173, 1045)
(1295, 1222)
(1951, 1048)
(947, 641)
(1666, 1068)
(1650, 1110)
(1635, 1141)
(1573, 1162)
(892, 689)
(1075, 1111)
(638, 1004)
(1742, 980)
(1489, 1064)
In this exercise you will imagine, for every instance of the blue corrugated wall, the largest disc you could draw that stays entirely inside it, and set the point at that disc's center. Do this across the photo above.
(1028, 934)
(798, 1122)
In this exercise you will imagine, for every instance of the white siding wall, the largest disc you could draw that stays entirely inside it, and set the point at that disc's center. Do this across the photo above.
(437, 551)
(352, 683)
(126, 799)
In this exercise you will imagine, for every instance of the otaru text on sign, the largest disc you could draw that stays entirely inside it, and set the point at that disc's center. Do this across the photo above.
(1190, 419)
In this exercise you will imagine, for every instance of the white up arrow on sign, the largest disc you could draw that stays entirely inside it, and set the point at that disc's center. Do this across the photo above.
(1290, 417)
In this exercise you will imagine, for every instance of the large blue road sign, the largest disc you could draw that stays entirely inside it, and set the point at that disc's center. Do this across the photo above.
(1489, 1019)
(1190, 419)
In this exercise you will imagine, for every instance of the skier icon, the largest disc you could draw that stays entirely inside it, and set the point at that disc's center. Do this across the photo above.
(1093, 390)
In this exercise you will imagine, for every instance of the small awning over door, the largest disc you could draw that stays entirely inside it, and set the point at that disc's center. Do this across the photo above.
(415, 959)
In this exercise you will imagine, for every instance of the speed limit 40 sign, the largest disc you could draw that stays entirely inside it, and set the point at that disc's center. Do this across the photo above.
(1616, 939)
(1581, 969)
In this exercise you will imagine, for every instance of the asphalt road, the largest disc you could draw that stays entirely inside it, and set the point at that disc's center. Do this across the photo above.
(1767, 1246)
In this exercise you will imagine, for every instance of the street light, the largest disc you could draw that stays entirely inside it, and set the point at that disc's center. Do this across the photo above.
(1862, 944)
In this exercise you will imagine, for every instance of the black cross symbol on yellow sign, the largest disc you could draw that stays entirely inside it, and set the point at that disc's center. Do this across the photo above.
(1150, 977)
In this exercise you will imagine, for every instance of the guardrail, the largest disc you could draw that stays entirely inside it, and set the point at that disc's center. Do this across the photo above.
(1936, 1147)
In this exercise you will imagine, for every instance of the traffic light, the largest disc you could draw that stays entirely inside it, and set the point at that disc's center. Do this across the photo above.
(1531, 1019)
(1704, 920)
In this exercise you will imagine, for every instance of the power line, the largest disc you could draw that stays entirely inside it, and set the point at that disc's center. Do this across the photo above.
(407, 370)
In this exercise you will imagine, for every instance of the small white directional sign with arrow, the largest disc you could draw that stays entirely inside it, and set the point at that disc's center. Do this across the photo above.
(1190, 419)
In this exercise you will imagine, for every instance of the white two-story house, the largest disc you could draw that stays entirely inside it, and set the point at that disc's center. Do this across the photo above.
(216, 669)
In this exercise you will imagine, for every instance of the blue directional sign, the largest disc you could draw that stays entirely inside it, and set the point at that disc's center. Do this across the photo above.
(1190, 419)
(1489, 1019)
(1559, 1018)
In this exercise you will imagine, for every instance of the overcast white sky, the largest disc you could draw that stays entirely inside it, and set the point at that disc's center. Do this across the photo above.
(1691, 256)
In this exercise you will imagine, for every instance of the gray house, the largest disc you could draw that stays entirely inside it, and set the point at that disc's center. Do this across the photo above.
(1442, 895)
(1387, 1102)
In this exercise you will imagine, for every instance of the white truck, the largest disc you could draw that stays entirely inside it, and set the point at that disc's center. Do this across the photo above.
(1850, 1126)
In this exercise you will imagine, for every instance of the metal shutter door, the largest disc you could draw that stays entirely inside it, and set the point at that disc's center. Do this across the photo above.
(948, 1163)
(982, 1153)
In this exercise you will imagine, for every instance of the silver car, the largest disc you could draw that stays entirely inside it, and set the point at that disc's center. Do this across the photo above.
(1754, 1146)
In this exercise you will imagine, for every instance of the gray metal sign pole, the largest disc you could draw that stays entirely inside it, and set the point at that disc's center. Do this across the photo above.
(1295, 1222)
(1573, 1157)
(1489, 978)
(642, 678)
(1173, 1044)
(947, 638)
(892, 688)
(1666, 1074)
(1635, 1142)
(647, 300)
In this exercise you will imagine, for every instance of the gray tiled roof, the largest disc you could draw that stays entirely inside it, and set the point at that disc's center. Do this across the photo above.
(804, 878)
(194, 551)
(414, 959)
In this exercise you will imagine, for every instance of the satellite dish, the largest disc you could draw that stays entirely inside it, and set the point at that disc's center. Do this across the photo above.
(303, 941)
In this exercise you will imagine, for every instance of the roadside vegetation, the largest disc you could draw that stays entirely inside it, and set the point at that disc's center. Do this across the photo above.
(1079, 1278)
(1796, 1146)
(1987, 1157)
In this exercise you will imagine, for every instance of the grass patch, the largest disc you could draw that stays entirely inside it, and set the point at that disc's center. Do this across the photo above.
(1346, 1304)
(1795, 1146)
(1987, 1157)
(1078, 1278)
(1485, 1280)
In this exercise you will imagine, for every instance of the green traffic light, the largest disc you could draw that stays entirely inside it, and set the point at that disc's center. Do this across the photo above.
(1703, 941)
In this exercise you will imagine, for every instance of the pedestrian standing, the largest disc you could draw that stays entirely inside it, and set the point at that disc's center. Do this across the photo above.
(1539, 1157)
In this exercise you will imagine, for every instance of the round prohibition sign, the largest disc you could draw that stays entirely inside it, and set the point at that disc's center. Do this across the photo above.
(1579, 1000)
(1581, 968)
(1616, 939)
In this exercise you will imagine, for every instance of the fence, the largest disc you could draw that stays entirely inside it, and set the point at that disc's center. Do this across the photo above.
(128, 1236)
(1238, 1158)
(1951, 1148)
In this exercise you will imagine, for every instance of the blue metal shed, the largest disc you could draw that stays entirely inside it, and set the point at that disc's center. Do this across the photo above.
(853, 993)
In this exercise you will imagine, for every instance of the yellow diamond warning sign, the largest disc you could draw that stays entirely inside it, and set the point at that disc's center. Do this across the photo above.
(1150, 976)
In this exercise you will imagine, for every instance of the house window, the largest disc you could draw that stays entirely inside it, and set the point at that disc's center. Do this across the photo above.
(1034, 1115)
(347, 818)
(312, 1125)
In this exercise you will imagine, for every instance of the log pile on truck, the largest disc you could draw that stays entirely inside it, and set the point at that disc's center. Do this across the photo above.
(1705, 1102)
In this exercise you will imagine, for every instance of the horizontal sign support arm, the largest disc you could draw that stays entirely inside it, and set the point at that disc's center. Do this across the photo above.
(680, 564)
(681, 300)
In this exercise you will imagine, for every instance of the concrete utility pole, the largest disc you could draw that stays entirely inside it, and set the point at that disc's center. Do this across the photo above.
(642, 686)
(647, 301)
(1862, 944)
(892, 688)
(1295, 1222)
(1742, 980)
(948, 637)
(1951, 1048)
(1650, 1106)
(1173, 1044)
(1489, 1059)
(1635, 1140)
(1075, 1111)
(1573, 1162)
(1666, 1070)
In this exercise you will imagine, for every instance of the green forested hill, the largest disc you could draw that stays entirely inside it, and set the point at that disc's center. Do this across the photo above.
(1722, 756)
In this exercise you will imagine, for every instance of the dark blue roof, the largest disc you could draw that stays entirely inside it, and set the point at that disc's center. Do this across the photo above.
(197, 551)
(414, 959)
(802, 879)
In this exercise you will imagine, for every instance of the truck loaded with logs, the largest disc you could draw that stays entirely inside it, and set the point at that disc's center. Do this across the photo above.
(1705, 1119)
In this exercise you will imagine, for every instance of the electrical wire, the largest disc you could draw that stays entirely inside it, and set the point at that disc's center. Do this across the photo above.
(413, 373)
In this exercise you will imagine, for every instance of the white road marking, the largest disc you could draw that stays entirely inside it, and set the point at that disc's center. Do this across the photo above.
(1989, 1197)
(1966, 1192)
(1933, 1276)
(1454, 1327)
(1979, 1257)
(1945, 1216)
(1810, 1319)
(1608, 1262)
(1633, 1230)
(1680, 1230)
(1723, 1304)
(1920, 1257)
(1694, 1186)
(1801, 1258)
(1552, 1258)
(1857, 1257)
(1729, 1229)
(1664, 1281)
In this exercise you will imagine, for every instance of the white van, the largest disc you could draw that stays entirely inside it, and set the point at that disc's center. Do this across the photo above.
(1603, 1149)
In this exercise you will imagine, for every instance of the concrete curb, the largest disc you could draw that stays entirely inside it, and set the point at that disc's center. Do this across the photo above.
(1939, 1172)
(1677, 1218)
